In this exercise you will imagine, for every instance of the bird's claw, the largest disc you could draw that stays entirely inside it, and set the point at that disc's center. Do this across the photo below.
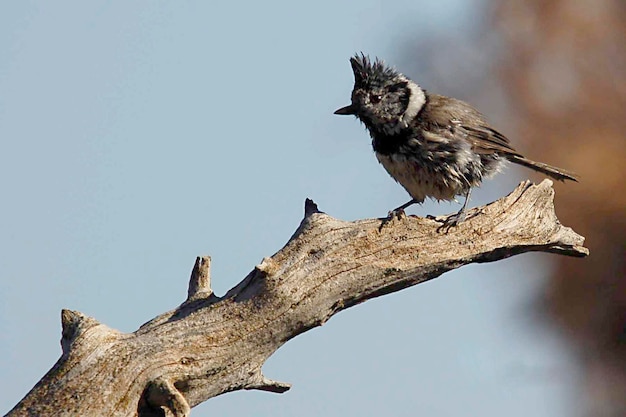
(448, 222)
(396, 213)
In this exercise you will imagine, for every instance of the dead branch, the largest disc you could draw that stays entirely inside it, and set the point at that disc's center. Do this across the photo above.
(210, 345)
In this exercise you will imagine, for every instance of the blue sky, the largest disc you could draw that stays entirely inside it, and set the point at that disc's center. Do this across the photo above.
(138, 135)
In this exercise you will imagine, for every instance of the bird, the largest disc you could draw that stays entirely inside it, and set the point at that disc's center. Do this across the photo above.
(434, 146)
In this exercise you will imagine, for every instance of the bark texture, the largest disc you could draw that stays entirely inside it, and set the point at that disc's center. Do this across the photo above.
(210, 345)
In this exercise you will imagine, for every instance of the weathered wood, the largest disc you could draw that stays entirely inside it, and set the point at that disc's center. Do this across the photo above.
(211, 345)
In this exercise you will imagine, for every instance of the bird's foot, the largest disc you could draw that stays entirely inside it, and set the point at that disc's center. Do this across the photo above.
(394, 214)
(448, 222)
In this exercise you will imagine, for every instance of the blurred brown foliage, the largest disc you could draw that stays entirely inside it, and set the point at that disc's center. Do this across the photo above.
(563, 65)
(551, 74)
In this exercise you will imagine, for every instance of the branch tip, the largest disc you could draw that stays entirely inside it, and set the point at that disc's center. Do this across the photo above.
(200, 280)
(269, 385)
(310, 207)
(70, 323)
(522, 188)
(73, 324)
(71, 318)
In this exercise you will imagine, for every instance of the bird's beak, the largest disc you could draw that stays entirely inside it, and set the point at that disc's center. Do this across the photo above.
(346, 111)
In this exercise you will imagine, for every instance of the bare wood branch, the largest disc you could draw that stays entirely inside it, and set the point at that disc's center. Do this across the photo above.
(211, 345)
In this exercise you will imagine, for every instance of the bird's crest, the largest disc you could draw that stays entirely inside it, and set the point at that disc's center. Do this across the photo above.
(370, 74)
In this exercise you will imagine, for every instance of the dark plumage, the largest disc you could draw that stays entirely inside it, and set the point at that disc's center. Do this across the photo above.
(434, 146)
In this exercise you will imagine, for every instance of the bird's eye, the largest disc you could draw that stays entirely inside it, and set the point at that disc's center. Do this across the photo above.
(375, 98)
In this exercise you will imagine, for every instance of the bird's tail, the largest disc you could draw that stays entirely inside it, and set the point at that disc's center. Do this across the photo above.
(554, 172)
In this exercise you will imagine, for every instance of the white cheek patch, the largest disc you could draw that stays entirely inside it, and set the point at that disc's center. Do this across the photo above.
(416, 102)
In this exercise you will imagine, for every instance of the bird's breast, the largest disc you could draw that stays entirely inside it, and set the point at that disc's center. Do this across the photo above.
(418, 180)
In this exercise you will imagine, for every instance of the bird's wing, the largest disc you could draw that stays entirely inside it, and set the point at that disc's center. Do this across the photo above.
(485, 139)
(454, 118)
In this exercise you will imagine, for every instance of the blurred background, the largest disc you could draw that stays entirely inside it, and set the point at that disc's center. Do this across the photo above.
(136, 136)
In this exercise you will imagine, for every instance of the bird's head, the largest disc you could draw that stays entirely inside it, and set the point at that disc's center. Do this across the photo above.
(383, 99)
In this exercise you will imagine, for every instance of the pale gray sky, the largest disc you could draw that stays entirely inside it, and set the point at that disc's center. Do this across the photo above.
(138, 135)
